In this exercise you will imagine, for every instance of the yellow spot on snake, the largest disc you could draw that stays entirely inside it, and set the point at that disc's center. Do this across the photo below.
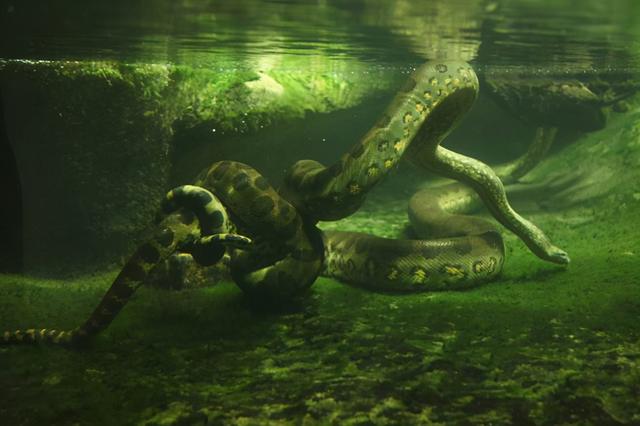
(427, 94)
(354, 188)
(419, 107)
(447, 81)
(453, 271)
(59, 337)
(456, 81)
(482, 266)
(388, 163)
(399, 145)
(372, 171)
(408, 118)
(419, 276)
(433, 81)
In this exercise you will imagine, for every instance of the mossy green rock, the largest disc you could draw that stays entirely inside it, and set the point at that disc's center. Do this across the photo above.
(91, 142)
(94, 141)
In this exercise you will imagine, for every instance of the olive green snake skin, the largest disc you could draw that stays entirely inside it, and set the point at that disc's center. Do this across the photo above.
(271, 238)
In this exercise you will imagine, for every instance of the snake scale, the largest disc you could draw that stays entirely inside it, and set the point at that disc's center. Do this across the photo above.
(271, 237)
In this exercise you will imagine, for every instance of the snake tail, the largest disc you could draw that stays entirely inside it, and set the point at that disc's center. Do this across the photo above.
(164, 241)
(132, 275)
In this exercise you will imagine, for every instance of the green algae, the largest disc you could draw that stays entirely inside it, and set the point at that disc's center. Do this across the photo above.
(249, 98)
(542, 345)
(239, 98)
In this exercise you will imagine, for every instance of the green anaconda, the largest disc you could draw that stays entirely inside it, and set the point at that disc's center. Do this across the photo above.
(270, 235)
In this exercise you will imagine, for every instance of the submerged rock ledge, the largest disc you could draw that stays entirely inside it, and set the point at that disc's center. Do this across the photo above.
(94, 141)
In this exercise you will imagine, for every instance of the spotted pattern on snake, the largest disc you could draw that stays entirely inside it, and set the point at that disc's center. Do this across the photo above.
(271, 237)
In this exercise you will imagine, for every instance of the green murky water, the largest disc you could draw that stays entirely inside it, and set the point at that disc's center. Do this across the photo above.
(107, 106)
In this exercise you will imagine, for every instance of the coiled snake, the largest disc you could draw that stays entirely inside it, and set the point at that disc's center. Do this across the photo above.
(275, 248)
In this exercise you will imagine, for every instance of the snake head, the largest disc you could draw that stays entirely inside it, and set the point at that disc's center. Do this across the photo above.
(559, 256)
(229, 240)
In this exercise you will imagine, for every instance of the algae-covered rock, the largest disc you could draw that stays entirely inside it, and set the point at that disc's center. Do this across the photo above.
(249, 98)
(94, 141)
(91, 142)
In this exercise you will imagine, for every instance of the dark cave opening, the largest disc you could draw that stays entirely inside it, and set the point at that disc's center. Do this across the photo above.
(11, 252)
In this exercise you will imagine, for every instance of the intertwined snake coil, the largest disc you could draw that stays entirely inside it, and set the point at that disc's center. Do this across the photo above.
(271, 237)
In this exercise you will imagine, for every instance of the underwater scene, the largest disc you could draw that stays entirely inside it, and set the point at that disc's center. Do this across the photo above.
(321, 212)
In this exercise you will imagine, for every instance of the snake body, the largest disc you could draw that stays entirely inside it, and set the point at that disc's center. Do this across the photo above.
(271, 237)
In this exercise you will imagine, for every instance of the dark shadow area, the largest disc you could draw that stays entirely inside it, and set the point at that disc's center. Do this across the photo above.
(11, 206)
